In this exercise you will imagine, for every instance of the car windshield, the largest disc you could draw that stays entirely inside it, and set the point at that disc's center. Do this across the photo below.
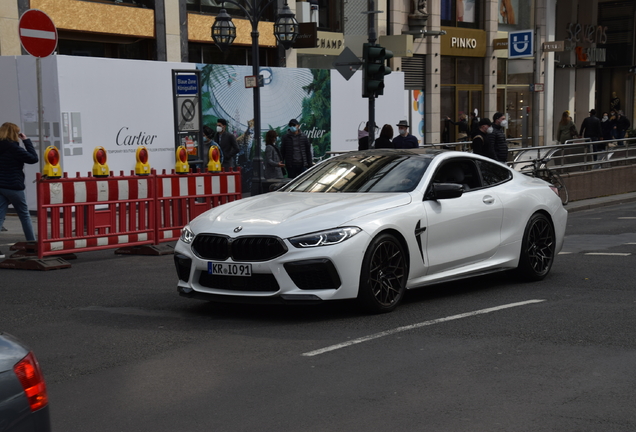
(364, 172)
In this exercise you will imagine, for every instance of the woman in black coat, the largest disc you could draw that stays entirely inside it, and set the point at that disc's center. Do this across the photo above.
(12, 160)
(384, 140)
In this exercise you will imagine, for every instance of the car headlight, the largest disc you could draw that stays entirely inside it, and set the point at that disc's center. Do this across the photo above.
(186, 235)
(324, 238)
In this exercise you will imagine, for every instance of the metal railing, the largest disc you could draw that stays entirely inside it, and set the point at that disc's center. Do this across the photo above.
(578, 155)
(574, 156)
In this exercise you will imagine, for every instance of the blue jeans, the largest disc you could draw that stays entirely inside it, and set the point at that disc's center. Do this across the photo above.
(18, 200)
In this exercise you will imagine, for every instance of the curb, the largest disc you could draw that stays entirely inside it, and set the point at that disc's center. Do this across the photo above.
(593, 203)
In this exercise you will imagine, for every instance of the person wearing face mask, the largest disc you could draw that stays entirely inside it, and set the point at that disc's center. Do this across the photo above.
(481, 144)
(497, 139)
(227, 143)
(404, 140)
(295, 150)
(606, 127)
(208, 135)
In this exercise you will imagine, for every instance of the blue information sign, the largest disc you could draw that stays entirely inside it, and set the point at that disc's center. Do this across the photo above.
(187, 84)
(520, 44)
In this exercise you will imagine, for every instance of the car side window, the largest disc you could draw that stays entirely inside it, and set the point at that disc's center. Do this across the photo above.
(492, 173)
(462, 172)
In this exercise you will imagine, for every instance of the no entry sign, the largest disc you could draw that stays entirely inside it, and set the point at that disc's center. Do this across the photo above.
(38, 34)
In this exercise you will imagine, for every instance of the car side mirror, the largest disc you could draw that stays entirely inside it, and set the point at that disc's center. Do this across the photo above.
(277, 185)
(438, 191)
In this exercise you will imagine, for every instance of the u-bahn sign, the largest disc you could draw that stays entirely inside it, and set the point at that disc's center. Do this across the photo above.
(38, 34)
(520, 44)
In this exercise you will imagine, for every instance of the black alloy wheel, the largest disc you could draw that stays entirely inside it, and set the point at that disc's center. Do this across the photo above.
(537, 248)
(383, 276)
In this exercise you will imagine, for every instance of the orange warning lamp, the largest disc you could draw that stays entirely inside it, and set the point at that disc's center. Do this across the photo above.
(52, 163)
(182, 166)
(100, 167)
(142, 167)
(214, 155)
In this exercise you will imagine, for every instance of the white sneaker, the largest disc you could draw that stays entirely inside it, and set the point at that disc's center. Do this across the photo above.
(1, 255)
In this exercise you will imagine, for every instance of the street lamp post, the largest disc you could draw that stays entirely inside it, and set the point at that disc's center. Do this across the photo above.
(224, 33)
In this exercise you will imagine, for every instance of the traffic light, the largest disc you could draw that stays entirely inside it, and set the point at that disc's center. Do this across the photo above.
(374, 69)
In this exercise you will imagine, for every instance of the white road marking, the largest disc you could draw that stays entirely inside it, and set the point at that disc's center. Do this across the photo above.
(414, 326)
(628, 217)
(608, 254)
(565, 253)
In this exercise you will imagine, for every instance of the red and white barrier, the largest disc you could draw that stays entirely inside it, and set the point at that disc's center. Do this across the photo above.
(182, 198)
(90, 213)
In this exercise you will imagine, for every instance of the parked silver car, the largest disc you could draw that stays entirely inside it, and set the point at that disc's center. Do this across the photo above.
(24, 403)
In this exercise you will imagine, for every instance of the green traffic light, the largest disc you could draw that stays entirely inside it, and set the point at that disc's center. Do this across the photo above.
(374, 69)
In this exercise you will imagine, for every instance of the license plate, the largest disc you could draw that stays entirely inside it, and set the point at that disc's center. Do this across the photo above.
(230, 269)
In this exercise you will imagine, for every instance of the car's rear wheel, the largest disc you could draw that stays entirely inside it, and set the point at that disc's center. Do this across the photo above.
(537, 248)
(383, 276)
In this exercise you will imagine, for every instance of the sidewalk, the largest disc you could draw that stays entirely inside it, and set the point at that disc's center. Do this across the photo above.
(14, 228)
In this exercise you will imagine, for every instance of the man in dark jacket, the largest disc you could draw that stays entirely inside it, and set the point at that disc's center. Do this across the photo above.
(591, 128)
(296, 150)
(622, 124)
(227, 143)
(474, 124)
(481, 144)
(12, 160)
(404, 139)
(497, 139)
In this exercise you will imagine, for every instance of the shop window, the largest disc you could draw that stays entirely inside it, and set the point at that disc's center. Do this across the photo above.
(329, 14)
(214, 6)
(137, 49)
(234, 55)
(504, 78)
(150, 4)
(447, 73)
(502, 72)
(462, 70)
(461, 13)
(515, 15)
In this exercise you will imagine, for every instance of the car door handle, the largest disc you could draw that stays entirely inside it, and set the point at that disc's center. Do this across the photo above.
(488, 199)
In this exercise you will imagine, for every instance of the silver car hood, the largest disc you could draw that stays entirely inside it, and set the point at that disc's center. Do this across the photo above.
(286, 214)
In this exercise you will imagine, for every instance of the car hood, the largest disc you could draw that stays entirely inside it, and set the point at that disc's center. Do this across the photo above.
(286, 214)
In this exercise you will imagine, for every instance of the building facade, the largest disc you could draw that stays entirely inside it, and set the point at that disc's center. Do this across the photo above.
(454, 53)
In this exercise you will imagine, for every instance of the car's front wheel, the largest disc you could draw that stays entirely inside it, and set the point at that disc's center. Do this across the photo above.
(383, 276)
(537, 248)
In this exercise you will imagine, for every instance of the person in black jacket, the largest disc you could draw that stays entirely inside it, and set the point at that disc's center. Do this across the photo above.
(462, 127)
(481, 144)
(591, 128)
(227, 143)
(497, 139)
(363, 138)
(474, 124)
(621, 125)
(384, 140)
(12, 160)
(296, 150)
